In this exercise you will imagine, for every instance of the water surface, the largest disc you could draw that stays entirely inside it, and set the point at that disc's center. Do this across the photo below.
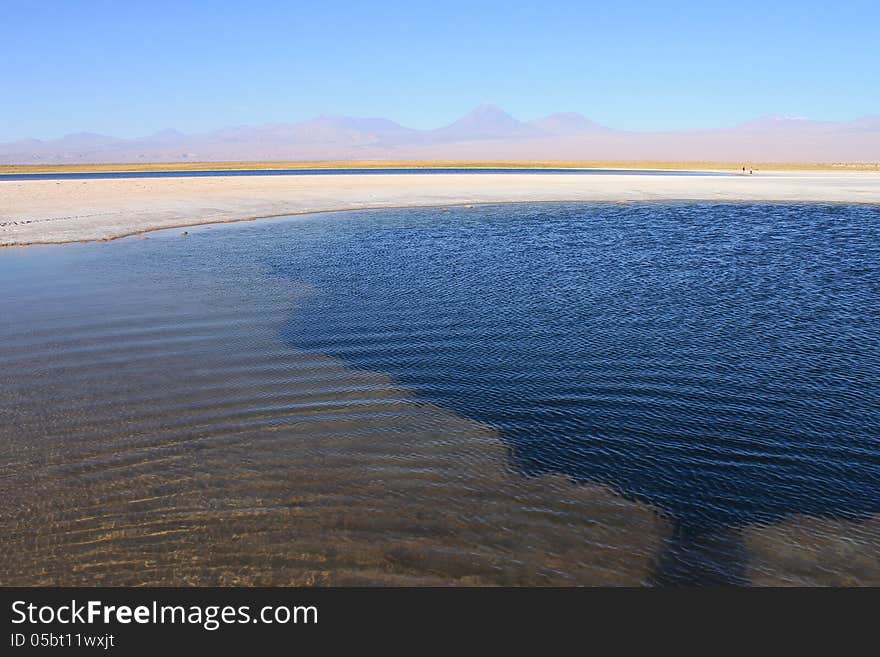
(720, 362)
(210, 173)
(516, 394)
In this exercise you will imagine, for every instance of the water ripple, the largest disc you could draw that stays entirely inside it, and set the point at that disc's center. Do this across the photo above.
(538, 394)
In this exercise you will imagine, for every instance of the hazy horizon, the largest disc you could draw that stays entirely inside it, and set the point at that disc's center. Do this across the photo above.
(486, 132)
(130, 70)
(475, 107)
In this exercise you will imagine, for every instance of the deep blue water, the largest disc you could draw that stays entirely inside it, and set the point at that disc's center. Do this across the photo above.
(716, 363)
(720, 361)
(335, 172)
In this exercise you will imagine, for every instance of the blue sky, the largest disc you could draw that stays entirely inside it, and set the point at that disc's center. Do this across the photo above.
(131, 68)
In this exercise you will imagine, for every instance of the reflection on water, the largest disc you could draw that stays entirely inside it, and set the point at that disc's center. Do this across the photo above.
(155, 430)
(539, 394)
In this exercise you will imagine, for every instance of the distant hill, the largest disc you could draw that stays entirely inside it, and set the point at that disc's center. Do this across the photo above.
(487, 132)
(567, 123)
(788, 124)
(485, 122)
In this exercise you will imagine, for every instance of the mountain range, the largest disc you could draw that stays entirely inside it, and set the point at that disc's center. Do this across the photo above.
(487, 133)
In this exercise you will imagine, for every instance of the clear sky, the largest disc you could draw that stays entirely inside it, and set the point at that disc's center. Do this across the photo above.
(131, 68)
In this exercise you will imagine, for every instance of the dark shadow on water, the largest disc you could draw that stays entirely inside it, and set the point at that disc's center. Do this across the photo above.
(720, 362)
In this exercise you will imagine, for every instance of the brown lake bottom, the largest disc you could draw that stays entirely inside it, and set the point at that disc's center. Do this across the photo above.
(156, 433)
(157, 429)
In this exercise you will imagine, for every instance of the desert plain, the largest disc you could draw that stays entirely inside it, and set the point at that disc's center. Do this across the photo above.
(40, 211)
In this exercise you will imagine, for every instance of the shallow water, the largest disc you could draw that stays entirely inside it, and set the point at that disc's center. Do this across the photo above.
(517, 394)
(99, 175)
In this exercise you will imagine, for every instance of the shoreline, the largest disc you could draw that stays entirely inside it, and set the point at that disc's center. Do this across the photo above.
(221, 222)
(50, 211)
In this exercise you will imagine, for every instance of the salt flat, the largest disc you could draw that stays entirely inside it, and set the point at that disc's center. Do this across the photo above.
(51, 211)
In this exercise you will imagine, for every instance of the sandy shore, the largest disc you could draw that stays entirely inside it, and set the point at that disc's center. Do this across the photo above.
(49, 211)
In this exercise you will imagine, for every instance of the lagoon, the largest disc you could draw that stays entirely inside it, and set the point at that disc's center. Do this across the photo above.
(552, 393)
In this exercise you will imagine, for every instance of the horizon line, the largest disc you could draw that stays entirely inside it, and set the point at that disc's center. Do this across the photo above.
(476, 109)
